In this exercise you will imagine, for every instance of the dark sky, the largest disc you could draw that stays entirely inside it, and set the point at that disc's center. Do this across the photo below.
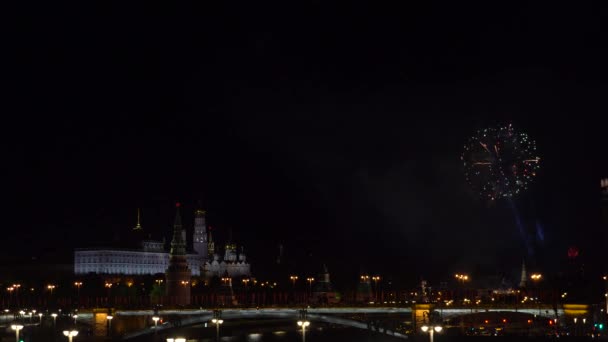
(334, 129)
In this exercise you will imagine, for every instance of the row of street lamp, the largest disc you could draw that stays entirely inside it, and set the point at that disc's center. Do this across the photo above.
(217, 320)
(70, 334)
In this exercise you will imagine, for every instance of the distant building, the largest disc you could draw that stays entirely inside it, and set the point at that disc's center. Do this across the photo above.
(178, 274)
(523, 278)
(323, 292)
(150, 257)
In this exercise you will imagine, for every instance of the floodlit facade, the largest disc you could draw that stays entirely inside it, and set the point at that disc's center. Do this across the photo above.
(152, 258)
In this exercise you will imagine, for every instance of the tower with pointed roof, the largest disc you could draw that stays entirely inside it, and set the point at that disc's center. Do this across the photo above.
(199, 239)
(178, 273)
(210, 245)
(323, 292)
(524, 276)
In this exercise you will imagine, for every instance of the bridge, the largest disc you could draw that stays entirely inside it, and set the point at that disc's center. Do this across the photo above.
(325, 315)
(131, 324)
(335, 315)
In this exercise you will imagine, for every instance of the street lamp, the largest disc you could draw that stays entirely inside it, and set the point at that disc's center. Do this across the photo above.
(155, 319)
(70, 334)
(54, 315)
(16, 327)
(51, 287)
(431, 330)
(16, 287)
(303, 324)
(293, 280)
(461, 277)
(40, 315)
(78, 284)
(177, 339)
(310, 280)
(217, 323)
(75, 317)
(375, 279)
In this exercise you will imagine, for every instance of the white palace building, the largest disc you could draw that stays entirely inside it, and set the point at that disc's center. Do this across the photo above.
(152, 258)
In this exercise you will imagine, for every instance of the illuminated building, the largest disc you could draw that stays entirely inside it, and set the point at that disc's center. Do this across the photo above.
(152, 258)
(199, 240)
(235, 265)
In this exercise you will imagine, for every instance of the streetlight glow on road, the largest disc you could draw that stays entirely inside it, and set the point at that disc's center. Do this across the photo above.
(217, 322)
(17, 328)
(431, 330)
(303, 324)
(70, 334)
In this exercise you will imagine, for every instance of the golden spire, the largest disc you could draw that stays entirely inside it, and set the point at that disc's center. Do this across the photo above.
(138, 226)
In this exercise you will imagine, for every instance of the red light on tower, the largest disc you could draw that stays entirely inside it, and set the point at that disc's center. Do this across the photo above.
(572, 252)
(177, 204)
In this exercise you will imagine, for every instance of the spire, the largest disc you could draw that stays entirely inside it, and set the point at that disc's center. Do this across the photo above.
(178, 244)
(199, 209)
(178, 217)
(524, 277)
(210, 244)
(138, 226)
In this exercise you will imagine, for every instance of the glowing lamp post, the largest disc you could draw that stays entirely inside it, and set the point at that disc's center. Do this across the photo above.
(70, 334)
(54, 315)
(177, 339)
(17, 328)
(40, 321)
(217, 323)
(109, 318)
(293, 280)
(431, 330)
(303, 324)
(155, 319)
(51, 287)
(75, 317)
(376, 279)
(78, 284)
(310, 280)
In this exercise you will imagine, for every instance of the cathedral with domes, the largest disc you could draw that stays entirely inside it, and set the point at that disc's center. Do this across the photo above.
(206, 258)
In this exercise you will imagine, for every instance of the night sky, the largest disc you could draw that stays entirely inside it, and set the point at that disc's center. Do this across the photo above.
(335, 130)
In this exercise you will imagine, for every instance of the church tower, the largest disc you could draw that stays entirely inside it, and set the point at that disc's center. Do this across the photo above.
(210, 245)
(200, 234)
(178, 274)
(524, 276)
